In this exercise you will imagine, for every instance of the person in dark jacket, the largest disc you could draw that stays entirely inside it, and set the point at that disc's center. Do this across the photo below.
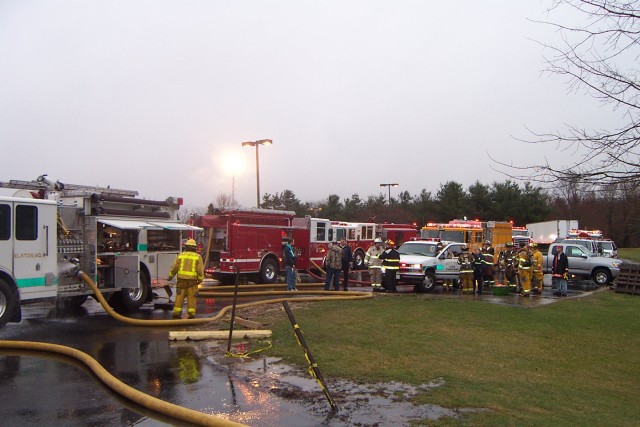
(289, 261)
(347, 262)
(391, 264)
(478, 264)
(560, 272)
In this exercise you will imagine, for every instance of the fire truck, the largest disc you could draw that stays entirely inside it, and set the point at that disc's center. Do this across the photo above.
(248, 242)
(399, 233)
(48, 230)
(520, 236)
(471, 232)
(358, 235)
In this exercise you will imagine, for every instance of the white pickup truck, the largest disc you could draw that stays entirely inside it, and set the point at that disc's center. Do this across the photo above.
(423, 265)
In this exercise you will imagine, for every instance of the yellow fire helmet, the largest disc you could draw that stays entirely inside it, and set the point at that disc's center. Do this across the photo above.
(191, 242)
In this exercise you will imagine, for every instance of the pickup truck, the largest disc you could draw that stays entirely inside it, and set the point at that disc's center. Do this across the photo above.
(583, 263)
(423, 265)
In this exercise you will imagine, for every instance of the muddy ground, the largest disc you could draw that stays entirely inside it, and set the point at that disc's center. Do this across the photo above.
(357, 404)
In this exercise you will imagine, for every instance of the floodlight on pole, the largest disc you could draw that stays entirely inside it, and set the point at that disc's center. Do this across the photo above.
(395, 184)
(257, 144)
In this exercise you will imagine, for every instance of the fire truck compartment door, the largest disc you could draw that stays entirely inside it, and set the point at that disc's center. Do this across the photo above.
(175, 226)
(126, 271)
(126, 224)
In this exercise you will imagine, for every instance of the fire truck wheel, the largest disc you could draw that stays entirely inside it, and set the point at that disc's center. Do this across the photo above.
(7, 303)
(130, 299)
(268, 271)
(358, 260)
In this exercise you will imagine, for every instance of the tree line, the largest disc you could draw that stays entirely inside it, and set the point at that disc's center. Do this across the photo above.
(615, 210)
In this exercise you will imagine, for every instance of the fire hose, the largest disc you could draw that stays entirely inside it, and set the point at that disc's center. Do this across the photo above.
(169, 409)
(138, 397)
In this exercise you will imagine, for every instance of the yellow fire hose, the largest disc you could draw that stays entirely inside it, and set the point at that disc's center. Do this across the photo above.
(138, 397)
(222, 312)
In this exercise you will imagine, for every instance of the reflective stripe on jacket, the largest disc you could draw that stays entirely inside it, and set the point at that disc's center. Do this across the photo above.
(390, 259)
(188, 266)
(372, 258)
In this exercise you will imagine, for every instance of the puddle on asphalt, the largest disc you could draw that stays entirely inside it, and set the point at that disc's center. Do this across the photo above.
(358, 404)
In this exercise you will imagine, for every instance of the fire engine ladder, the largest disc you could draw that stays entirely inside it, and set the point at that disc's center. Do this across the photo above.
(68, 189)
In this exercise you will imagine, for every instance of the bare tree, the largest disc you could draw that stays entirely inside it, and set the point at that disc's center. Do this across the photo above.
(225, 202)
(598, 55)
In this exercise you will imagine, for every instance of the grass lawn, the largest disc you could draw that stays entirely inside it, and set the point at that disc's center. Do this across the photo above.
(574, 362)
(629, 253)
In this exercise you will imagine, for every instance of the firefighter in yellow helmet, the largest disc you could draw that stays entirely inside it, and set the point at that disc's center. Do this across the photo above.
(466, 270)
(190, 270)
(538, 275)
(525, 269)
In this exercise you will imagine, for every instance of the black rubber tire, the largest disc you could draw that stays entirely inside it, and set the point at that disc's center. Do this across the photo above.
(7, 303)
(268, 271)
(601, 277)
(428, 284)
(131, 299)
(358, 260)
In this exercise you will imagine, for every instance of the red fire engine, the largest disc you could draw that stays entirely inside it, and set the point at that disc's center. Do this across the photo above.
(249, 241)
(399, 233)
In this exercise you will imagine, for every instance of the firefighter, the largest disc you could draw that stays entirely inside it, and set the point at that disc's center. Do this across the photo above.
(466, 270)
(479, 266)
(525, 267)
(448, 283)
(506, 264)
(489, 275)
(538, 275)
(189, 268)
(391, 263)
(373, 262)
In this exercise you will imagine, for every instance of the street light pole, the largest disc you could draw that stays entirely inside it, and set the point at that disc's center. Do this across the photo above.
(395, 184)
(256, 144)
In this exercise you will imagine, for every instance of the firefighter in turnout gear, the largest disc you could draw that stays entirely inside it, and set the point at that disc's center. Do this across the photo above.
(374, 263)
(391, 263)
(489, 275)
(538, 275)
(466, 270)
(189, 268)
(525, 269)
(507, 264)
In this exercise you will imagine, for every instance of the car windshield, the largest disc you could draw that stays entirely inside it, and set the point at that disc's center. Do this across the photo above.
(418, 249)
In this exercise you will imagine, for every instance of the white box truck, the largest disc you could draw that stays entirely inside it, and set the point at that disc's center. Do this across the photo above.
(549, 231)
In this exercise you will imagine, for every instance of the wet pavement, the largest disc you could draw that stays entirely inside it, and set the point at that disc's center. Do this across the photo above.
(261, 392)
(50, 391)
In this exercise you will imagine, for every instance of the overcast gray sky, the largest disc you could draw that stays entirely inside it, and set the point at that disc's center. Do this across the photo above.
(157, 96)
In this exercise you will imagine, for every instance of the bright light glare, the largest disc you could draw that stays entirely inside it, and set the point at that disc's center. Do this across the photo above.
(234, 164)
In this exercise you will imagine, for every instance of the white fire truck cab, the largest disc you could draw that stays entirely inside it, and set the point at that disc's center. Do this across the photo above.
(50, 230)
